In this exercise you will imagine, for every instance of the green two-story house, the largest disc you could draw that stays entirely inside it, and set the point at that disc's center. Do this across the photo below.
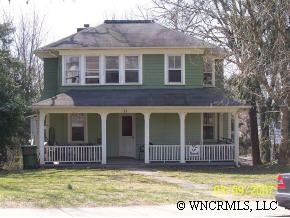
(134, 89)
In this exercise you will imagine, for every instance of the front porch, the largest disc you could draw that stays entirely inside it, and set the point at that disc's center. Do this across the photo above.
(187, 137)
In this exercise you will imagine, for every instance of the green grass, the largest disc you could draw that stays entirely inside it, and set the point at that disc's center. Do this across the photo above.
(86, 188)
(254, 180)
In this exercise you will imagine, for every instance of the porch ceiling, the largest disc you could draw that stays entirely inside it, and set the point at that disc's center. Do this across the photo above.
(197, 97)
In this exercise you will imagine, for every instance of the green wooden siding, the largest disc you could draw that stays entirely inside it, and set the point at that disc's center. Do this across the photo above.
(192, 128)
(112, 135)
(193, 71)
(219, 74)
(164, 129)
(60, 124)
(50, 77)
(153, 75)
(94, 128)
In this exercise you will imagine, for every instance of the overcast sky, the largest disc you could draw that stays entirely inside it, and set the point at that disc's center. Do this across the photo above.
(62, 17)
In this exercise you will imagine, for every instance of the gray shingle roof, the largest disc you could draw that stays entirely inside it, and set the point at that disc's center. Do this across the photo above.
(127, 34)
(141, 97)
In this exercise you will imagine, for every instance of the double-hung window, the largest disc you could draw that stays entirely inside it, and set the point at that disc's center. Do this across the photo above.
(208, 126)
(71, 70)
(112, 70)
(174, 69)
(92, 74)
(78, 127)
(208, 72)
(132, 69)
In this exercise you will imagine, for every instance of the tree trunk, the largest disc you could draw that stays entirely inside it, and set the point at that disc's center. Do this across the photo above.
(254, 134)
(283, 148)
(265, 134)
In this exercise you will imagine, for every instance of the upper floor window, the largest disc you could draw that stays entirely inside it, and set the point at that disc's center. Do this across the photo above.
(92, 75)
(112, 69)
(208, 72)
(208, 125)
(174, 69)
(72, 69)
(131, 69)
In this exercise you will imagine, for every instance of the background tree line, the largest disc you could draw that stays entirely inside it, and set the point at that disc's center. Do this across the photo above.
(21, 79)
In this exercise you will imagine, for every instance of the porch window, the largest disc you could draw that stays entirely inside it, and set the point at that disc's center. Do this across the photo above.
(208, 72)
(72, 70)
(174, 65)
(92, 70)
(112, 69)
(208, 126)
(78, 123)
(131, 69)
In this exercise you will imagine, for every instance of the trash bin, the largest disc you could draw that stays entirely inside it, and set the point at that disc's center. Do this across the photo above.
(29, 154)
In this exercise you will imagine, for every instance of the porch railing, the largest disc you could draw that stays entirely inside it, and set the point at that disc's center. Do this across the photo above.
(219, 152)
(71, 153)
(216, 152)
(164, 152)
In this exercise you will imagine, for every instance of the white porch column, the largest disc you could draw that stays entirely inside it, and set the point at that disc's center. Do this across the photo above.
(104, 137)
(182, 136)
(146, 136)
(41, 118)
(236, 140)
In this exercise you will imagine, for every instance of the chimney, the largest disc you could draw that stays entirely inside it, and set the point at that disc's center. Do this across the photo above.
(82, 28)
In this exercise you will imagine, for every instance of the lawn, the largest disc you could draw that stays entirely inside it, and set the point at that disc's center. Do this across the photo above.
(86, 188)
(243, 182)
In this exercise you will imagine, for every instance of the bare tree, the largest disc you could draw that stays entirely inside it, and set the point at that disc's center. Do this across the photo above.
(28, 36)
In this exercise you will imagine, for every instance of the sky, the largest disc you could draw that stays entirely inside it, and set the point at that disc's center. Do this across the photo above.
(62, 17)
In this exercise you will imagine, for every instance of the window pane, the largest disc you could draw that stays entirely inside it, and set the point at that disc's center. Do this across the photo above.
(77, 119)
(207, 78)
(208, 65)
(131, 76)
(208, 132)
(171, 61)
(177, 61)
(208, 119)
(72, 69)
(112, 62)
(77, 127)
(112, 76)
(72, 63)
(77, 134)
(92, 80)
(92, 66)
(131, 62)
(174, 62)
(174, 76)
(127, 126)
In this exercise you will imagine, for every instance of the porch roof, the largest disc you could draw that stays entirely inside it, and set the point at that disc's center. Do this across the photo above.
(140, 97)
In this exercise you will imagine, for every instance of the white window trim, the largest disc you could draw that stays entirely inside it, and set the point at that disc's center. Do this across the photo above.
(213, 74)
(63, 70)
(85, 69)
(140, 73)
(102, 73)
(70, 133)
(166, 82)
(119, 69)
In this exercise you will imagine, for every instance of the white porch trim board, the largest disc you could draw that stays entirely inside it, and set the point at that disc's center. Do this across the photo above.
(41, 118)
(146, 136)
(182, 116)
(236, 140)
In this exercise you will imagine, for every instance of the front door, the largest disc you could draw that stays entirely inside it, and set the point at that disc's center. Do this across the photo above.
(127, 146)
